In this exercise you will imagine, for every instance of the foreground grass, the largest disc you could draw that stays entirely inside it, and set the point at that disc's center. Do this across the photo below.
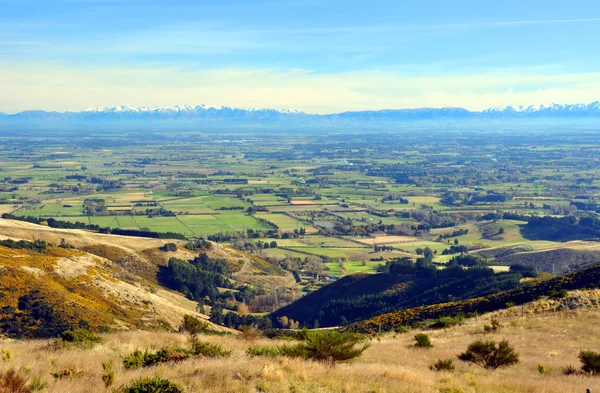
(390, 365)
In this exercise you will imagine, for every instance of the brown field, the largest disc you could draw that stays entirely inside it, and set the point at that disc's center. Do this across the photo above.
(7, 208)
(389, 366)
(422, 199)
(387, 239)
(303, 202)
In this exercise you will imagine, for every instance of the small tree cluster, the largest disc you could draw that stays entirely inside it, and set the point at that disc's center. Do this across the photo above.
(490, 355)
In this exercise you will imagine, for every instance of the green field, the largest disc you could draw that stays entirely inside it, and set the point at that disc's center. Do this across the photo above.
(338, 188)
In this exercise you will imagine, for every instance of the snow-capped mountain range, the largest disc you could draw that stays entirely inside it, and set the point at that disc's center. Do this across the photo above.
(594, 107)
(223, 115)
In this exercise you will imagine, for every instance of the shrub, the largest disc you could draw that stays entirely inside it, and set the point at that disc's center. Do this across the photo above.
(446, 322)
(108, 377)
(563, 293)
(263, 351)
(67, 373)
(331, 346)
(442, 365)
(494, 327)
(327, 346)
(169, 247)
(542, 369)
(81, 338)
(138, 359)
(422, 341)
(285, 334)
(212, 350)
(193, 326)
(250, 333)
(489, 355)
(37, 384)
(569, 370)
(135, 360)
(152, 385)
(590, 361)
(293, 351)
(12, 381)
(6, 355)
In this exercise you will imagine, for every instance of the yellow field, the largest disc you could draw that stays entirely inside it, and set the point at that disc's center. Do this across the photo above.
(7, 208)
(383, 239)
(303, 202)
(422, 199)
(389, 366)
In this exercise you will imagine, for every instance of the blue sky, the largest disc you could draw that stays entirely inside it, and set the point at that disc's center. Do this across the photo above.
(317, 56)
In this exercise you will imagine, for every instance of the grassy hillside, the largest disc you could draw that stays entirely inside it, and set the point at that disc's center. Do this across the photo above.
(390, 365)
(362, 296)
(530, 291)
(142, 256)
(106, 282)
(43, 293)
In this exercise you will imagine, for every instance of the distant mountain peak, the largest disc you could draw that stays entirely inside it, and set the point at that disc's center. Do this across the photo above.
(227, 116)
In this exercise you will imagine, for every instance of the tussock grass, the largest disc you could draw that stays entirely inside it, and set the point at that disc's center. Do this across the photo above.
(389, 365)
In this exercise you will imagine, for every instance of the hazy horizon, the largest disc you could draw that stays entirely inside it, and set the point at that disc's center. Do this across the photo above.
(317, 57)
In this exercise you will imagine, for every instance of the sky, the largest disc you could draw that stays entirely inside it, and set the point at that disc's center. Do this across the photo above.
(318, 56)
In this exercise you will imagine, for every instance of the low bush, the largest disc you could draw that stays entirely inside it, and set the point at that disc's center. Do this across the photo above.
(193, 326)
(447, 322)
(442, 365)
(590, 362)
(152, 385)
(263, 351)
(542, 369)
(135, 360)
(67, 373)
(490, 355)
(37, 384)
(211, 350)
(422, 341)
(6, 355)
(330, 346)
(138, 359)
(12, 381)
(570, 370)
(285, 334)
(494, 327)
(249, 333)
(169, 247)
(563, 293)
(108, 377)
(326, 346)
(81, 338)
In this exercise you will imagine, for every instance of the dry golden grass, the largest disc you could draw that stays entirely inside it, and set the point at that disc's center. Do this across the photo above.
(384, 239)
(390, 365)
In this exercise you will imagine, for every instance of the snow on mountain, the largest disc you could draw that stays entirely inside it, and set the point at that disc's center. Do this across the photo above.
(224, 114)
(553, 108)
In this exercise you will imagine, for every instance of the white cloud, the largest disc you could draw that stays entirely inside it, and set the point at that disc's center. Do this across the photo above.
(57, 87)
